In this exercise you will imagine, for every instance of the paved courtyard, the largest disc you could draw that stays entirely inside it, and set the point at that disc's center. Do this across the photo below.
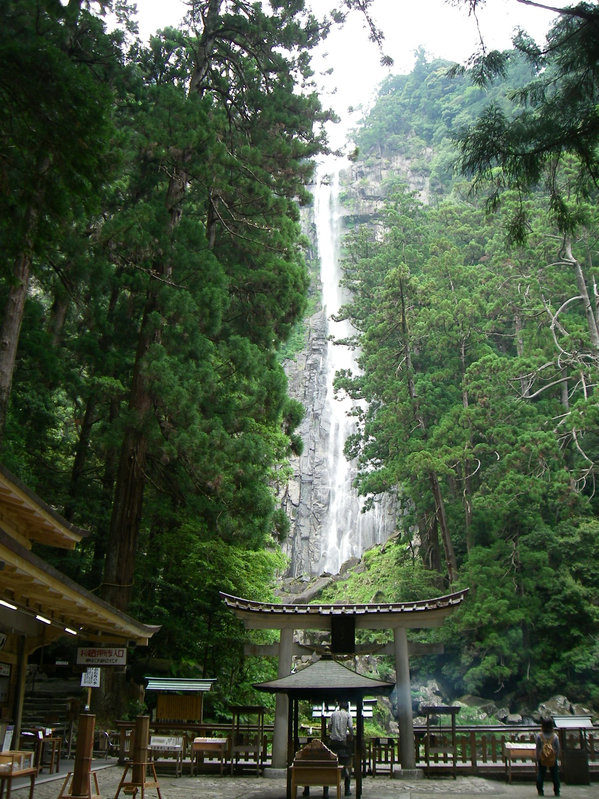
(252, 787)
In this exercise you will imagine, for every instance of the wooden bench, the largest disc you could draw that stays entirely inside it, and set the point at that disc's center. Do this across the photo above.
(315, 764)
(162, 747)
(212, 746)
(517, 750)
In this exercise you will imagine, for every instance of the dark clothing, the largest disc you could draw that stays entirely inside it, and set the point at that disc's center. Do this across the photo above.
(541, 769)
(343, 750)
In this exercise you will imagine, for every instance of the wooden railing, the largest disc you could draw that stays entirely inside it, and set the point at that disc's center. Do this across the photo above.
(478, 749)
(481, 748)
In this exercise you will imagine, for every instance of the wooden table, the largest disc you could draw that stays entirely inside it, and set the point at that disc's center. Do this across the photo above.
(6, 777)
(517, 750)
(201, 746)
(163, 747)
(48, 754)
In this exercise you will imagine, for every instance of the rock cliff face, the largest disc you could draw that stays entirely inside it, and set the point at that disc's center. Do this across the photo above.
(315, 486)
(306, 499)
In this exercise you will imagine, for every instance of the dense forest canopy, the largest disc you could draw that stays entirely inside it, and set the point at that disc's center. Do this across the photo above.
(154, 266)
(478, 349)
(153, 263)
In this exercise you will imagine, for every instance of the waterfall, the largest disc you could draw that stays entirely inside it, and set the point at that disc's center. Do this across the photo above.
(328, 526)
(341, 536)
(346, 530)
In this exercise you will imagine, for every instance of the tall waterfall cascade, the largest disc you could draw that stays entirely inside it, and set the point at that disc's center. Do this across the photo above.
(328, 527)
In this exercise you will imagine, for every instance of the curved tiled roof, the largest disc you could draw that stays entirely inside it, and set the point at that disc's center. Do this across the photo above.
(326, 678)
(419, 613)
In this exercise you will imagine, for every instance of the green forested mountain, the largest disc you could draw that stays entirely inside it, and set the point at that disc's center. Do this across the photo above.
(479, 356)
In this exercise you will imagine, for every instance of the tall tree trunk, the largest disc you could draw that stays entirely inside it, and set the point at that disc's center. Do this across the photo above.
(589, 310)
(451, 563)
(11, 329)
(130, 480)
(81, 451)
(450, 559)
(131, 477)
(58, 315)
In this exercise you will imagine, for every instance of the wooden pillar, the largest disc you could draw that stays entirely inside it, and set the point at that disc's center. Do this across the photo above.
(290, 736)
(19, 695)
(80, 786)
(139, 756)
(359, 746)
(279, 738)
(404, 699)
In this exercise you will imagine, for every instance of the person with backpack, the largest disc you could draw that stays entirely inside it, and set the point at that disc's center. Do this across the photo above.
(547, 756)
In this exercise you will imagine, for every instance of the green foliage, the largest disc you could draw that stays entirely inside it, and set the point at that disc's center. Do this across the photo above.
(551, 119)
(156, 193)
(199, 635)
(388, 573)
(477, 356)
(416, 115)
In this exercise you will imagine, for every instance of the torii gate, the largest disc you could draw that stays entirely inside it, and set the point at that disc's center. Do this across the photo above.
(342, 621)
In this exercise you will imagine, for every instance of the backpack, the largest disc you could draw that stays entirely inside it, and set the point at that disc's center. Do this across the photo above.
(547, 757)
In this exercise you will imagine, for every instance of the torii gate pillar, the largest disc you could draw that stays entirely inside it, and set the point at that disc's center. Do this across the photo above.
(279, 741)
(407, 751)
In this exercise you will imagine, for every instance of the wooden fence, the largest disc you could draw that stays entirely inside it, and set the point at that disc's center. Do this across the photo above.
(475, 749)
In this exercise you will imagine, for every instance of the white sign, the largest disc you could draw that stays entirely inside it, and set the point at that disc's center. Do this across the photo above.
(91, 678)
(102, 656)
(8, 737)
(4, 669)
(3, 638)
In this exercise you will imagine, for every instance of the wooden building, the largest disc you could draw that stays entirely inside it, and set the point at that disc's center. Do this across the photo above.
(39, 604)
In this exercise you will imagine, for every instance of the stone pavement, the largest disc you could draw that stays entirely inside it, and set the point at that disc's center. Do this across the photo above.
(252, 787)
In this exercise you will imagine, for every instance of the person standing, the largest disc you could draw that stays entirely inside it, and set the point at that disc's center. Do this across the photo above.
(547, 756)
(341, 740)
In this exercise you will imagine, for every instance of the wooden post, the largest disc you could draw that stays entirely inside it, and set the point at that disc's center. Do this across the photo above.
(19, 690)
(140, 750)
(473, 752)
(290, 748)
(83, 755)
(359, 743)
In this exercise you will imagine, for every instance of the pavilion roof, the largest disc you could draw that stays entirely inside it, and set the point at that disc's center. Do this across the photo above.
(327, 678)
(183, 684)
(376, 615)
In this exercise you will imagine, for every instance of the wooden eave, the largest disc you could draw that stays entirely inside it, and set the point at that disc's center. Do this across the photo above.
(375, 616)
(35, 587)
(29, 519)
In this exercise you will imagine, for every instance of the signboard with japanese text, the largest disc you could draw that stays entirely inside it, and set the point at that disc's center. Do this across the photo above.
(102, 656)
(91, 678)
